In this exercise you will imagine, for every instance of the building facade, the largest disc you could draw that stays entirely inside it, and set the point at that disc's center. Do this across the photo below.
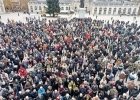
(115, 7)
(16, 5)
(40, 6)
(109, 7)
(37, 6)
(2, 8)
(65, 6)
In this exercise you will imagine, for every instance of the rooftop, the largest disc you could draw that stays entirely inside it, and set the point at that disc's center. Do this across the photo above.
(65, 1)
(37, 1)
(114, 2)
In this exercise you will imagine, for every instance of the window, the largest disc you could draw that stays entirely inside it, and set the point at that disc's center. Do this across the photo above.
(35, 7)
(86, 9)
(40, 8)
(124, 11)
(62, 8)
(114, 11)
(105, 9)
(44, 8)
(75, 9)
(109, 11)
(100, 11)
(67, 8)
(31, 7)
(95, 11)
(119, 11)
(14, 0)
(129, 11)
(134, 11)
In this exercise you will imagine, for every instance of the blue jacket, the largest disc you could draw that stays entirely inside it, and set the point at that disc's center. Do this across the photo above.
(41, 91)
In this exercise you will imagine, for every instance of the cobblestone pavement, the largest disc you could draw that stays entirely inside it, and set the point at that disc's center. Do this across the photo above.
(22, 17)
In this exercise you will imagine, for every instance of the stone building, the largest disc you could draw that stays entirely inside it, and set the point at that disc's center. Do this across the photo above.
(93, 7)
(65, 6)
(73, 5)
(109, 7)
(37, 6)
(115, 7)
(16, 5)
(40, 6)
(2, 8)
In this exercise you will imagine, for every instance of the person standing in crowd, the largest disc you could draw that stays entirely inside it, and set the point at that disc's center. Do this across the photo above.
(80, 59)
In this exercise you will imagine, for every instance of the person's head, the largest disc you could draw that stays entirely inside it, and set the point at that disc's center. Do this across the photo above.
(73, 98)
(21, 92)
(26, 98)
(121, 80)
(27, 91)
(67, 95)
(41, 87)
(34, 90)
(55, 91)
(61, 86)
(81, 95)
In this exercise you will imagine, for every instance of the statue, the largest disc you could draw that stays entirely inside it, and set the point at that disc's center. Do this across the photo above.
(81, 3)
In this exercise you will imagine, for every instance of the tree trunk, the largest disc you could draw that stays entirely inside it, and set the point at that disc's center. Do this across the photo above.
(53, 14)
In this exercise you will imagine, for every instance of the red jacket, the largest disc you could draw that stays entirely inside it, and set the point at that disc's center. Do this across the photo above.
(22, 72)
(87, 36)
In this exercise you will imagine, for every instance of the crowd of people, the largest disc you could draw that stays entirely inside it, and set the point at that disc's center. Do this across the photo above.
(80, 59)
